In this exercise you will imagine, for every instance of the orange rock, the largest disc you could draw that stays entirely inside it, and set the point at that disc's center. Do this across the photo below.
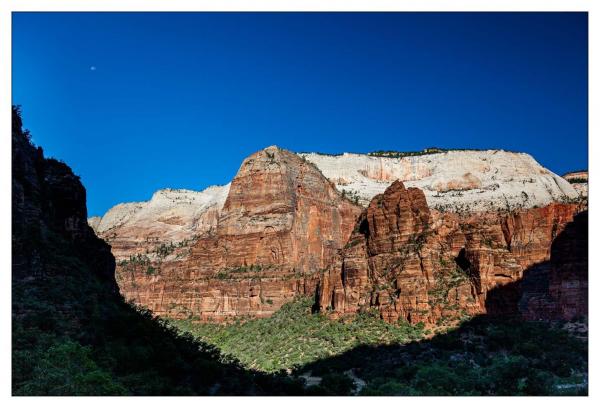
(282, 224)
(421, 266)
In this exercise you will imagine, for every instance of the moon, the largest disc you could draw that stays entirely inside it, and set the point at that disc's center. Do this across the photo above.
(93, 68)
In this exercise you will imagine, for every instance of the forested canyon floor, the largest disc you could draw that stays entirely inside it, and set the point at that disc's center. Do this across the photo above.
(366, 356)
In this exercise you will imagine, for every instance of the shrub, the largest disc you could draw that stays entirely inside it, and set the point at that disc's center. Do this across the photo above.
(337, 384)
(67, 368)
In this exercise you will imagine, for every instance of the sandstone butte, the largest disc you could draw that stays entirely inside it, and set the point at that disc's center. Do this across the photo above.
(278, 230)
(280, 226)
(421, 265)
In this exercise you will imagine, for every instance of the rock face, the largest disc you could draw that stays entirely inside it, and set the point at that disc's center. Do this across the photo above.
(451, 181)
(281, 224)
(558, 288)
(48, 200)
(245, 248)
(422, 265)
(171, 217)
(568, 285)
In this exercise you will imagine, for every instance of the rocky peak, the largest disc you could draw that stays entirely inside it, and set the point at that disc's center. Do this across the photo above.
(394, 217)
(171, 216)
(281, 223)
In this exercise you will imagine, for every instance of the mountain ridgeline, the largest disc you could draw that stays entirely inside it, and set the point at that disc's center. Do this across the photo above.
(289, 225)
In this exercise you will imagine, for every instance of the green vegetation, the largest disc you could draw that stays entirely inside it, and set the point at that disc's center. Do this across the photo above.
(482, 357)
(429, 150)
(70, 337)
(351, 195)
(72, 333)
(397, 154)
(139, 259)
(301, 154)
(577, 180)
(352, 243)
(294, 336)
(445, 281)
(164, 250)
(65, 368)
(232, 271)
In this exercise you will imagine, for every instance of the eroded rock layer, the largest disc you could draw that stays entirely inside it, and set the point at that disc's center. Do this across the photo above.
(170, 217)
(281, 224)
(422, 265)
(452, 181)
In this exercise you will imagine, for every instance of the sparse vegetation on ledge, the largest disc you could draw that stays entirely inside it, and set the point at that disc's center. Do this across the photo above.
(351, 195)
(430, 150)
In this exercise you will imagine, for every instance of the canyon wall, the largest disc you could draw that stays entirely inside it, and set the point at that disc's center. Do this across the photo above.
(477, 221)
(170, 217)
(281, 224)
(420, 265)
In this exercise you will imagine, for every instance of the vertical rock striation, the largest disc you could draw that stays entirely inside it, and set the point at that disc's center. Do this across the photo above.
(281, 224)
(420, 265)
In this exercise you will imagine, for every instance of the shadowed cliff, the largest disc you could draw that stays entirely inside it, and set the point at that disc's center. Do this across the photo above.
(556, 289)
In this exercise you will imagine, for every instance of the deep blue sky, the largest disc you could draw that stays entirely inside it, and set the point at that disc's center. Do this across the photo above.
(178, 100)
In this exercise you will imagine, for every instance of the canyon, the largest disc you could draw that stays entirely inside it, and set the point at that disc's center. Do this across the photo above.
(469, 223)
(280, 229)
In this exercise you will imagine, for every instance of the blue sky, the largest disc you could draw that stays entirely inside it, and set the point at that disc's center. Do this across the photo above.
(135, 102)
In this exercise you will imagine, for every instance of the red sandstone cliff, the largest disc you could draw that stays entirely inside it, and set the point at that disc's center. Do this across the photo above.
(420, 265)
(282, 223)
